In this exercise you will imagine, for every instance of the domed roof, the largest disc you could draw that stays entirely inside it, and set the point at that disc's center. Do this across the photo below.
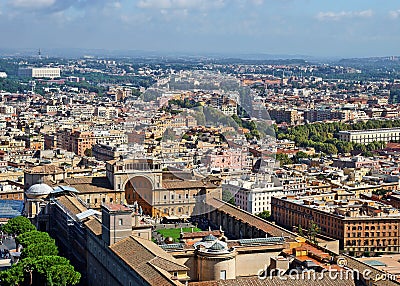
(39, 190)
(209, 237)
(217, 246)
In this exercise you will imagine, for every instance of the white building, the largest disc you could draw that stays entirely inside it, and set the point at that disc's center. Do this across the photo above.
(39, 72)
(6, 109)
(255, 196)
(106, 112)
(370, 135)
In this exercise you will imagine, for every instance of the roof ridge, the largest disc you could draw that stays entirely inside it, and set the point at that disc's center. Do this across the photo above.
(170, 261)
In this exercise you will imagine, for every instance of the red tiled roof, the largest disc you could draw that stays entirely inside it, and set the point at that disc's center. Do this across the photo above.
(46, 169)
(148, 260)
(325, 280)
(267, 227)
(187, 185)
(116, 208)
(216, 233)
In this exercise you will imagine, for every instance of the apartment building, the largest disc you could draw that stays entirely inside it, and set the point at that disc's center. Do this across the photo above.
(232, 159)
(106, 112)
(45, 72)
(362, 226)
(315, 115)
(289, 116)
(79, 141)
(254, 196)
(370, 135)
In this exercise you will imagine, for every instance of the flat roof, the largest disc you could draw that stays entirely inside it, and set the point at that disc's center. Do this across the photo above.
(116, 208)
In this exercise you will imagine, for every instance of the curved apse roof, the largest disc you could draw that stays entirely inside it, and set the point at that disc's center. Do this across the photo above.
(39, 190)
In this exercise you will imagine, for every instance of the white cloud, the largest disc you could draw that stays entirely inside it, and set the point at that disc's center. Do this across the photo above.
(181, 4)
(394, 14)
(257, 2)
(117, 5)
(336, 16)
(35, 4)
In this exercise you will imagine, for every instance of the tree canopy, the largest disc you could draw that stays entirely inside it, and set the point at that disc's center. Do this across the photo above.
(39, 263)
(18, 225)
(39, 249)
(321, 136)
(33, 237)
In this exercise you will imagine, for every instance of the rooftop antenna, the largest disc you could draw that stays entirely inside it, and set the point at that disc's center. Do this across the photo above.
(40, 54)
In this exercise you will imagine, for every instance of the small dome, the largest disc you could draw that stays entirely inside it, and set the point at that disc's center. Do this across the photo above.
(209, 237)
(169, 240)
(39, 190)
(217, 246)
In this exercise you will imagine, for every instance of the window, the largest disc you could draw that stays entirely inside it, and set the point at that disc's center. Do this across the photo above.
(104, 200)
(88, 201)
(222, 275)
(120, 221)
(165, 197)
(95, 201)
(111, 200)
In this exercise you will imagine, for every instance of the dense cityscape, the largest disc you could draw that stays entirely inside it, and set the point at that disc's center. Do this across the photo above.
(147, 171)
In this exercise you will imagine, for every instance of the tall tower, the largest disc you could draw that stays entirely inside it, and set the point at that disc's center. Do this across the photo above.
(116, 223)
(39, 54)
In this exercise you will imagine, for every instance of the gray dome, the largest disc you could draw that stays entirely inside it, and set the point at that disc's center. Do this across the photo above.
(39, 190)
(217, 246)
(209, 237)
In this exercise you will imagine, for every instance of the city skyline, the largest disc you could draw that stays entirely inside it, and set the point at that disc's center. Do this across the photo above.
(303, 27)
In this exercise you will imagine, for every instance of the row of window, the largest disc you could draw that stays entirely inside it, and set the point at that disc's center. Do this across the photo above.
(372, 227)
(179, 196)
(172, 210)
(371, 234)
(378, 242)
(96, 201)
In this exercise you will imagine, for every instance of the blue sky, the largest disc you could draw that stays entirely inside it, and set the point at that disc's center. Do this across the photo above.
(352, 28)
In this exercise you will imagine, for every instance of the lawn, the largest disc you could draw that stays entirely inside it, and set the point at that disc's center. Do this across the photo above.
(175, 232)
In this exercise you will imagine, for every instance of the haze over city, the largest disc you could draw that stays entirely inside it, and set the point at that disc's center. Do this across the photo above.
(293, 27)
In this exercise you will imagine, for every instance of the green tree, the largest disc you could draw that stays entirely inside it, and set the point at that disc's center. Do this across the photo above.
(13, 276)
(313, 231)
(228, 197)
(88, 152)
(18, 225)
(39, 249)
(300, 230)
(284, 159)
(33, 237)
(264, 215)
(50, 270)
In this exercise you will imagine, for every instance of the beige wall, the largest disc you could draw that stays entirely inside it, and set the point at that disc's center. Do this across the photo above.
(251, 263)
(210, 269)
(190, 262)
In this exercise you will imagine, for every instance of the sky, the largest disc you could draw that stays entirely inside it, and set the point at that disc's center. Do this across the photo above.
(327, 28)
